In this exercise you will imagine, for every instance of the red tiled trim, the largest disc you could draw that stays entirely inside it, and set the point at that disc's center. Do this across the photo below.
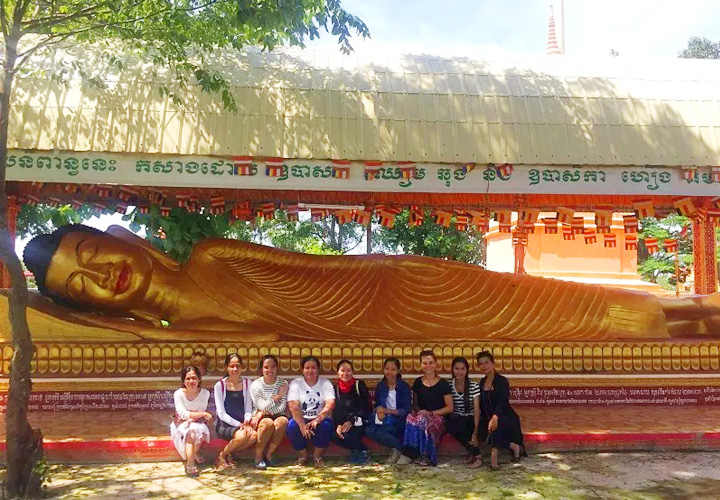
(573, 440)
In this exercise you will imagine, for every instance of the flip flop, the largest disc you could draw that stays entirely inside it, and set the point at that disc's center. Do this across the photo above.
(319, 463)
(301, 462)
(191, 471)
(476, 463)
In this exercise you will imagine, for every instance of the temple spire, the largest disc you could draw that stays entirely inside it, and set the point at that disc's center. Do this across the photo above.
(552, 44)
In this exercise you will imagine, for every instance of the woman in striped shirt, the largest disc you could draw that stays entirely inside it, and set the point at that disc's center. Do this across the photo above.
(463, 422)
(269, 397)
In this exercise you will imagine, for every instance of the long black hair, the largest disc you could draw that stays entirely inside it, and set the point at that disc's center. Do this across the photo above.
(466, 394)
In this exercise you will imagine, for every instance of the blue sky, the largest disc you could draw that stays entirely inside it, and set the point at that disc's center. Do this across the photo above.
(494, 29)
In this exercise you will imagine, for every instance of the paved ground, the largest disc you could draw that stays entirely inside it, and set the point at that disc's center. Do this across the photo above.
(622, 476)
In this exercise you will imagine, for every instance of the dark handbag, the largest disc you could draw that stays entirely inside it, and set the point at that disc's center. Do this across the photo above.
(489, 439)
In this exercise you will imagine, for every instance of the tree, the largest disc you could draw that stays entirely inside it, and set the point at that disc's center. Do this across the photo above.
(177, 35)
(700, 48)
(326, 236)
(177, 233)
(37, 219)
(431, 240)
(660, 266)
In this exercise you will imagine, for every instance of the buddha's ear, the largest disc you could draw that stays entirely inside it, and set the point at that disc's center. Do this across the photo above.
(132, 238)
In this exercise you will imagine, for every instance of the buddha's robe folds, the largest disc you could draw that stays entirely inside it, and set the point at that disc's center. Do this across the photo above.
(395, 298)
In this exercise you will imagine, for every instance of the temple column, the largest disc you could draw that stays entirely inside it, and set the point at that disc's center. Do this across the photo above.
(12, 213)
(704, 260)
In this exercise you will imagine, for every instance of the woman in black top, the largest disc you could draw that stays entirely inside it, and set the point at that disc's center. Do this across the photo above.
(351, 414)
(499, 424)
(425, 426)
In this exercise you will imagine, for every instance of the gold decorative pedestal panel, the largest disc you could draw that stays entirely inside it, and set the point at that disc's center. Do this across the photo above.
(164, 359)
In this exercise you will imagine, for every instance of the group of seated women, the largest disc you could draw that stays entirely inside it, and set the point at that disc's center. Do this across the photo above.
(310, 410)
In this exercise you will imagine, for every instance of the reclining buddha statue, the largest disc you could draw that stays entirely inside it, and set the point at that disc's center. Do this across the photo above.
(232, 290)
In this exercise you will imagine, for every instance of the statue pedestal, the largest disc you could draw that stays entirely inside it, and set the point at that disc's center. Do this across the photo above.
(127, 419)
(113, 401)
(153, 359)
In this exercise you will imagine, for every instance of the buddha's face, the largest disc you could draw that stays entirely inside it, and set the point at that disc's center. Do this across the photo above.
(99, 270)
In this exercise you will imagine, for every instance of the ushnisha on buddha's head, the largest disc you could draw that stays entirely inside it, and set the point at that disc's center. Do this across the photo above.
(85, 267)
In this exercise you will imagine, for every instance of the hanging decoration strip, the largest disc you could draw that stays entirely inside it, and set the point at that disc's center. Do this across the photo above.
(670, 245)
(246, 172)
(644, 209)
(631, 242)
(651, 244)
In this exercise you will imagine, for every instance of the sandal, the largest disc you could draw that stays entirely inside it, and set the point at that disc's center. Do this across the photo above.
(521, 454)
(423, 462)
(229, 461)
(191, 471)
(221, 464)
(319, 462)
(494, 467)
(301, 462)
(476, 463)
(199, 459)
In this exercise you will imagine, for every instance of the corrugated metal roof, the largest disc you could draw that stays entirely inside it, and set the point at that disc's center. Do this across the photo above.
(306, 104)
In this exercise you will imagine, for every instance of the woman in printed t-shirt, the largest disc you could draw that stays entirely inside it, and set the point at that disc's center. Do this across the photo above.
(311, 400)
(424, 428)
(464, 420)
(393, 400)
(234, 412)
(189, 429)
(269, 397)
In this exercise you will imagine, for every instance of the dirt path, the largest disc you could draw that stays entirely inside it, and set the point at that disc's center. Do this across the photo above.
(627, 476)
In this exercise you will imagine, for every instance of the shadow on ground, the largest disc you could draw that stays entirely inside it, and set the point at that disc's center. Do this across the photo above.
(637, 476)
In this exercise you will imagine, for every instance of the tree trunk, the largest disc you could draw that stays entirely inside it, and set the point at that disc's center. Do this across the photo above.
(368, 239)
(24, 444)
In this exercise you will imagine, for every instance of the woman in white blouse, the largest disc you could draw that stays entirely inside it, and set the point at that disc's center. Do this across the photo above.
(234, 412)
(189, 430)
(269, 397)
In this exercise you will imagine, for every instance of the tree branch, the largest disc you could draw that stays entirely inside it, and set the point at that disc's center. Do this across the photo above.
(50, 21)
(51, 40)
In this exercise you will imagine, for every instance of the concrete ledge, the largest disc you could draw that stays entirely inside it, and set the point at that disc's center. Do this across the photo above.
(161, 450)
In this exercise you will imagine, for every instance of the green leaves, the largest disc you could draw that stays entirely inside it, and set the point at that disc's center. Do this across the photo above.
(431, 240)
(178, 34)
(701, 48)
(660, 267)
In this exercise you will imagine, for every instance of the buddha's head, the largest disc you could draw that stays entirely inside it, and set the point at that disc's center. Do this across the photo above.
(87, 268)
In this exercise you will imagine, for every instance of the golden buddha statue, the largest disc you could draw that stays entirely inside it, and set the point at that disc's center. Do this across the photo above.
(115, 281)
